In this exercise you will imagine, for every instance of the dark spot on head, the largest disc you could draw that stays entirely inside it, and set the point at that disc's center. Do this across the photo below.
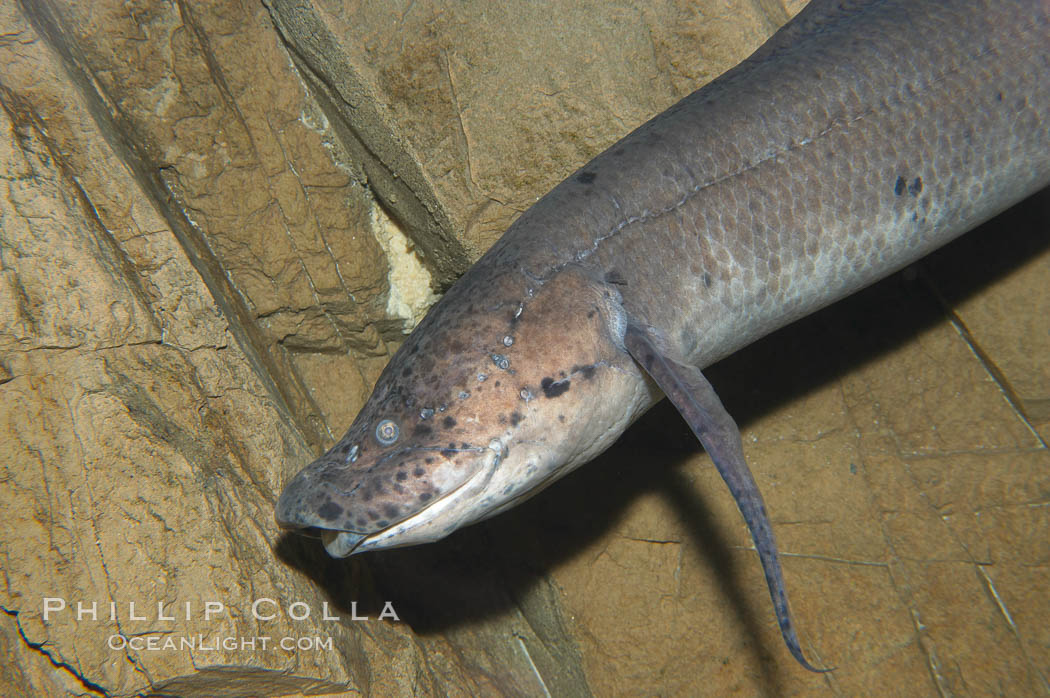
(361, 521)
(464, 444)
(428, 460)
(590, 314)
(448, 452)
(422, 429)
(515, 419)
(899, 186)
(915, 187)
(390, 510)
(330, 511)
(402, 476)
(451, 444)
(382, 523)
(425, 497)
(448, 422)
(419, 472)
(586, 177)
(586, 371)
(553, 388)
(399, 489)
(497, 384)
(372, 514)
(367, 495)
(406, 372)
(561, 418)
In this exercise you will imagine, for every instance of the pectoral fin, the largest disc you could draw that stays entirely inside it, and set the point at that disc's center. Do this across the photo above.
(698, 403)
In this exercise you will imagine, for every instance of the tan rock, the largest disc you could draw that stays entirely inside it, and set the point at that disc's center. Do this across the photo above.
(197, 291)
(463, 114)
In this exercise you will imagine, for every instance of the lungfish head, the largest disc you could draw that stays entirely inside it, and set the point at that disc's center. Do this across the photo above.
(505, 386)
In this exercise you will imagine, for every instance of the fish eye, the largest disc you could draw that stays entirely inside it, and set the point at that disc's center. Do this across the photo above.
(387, 432)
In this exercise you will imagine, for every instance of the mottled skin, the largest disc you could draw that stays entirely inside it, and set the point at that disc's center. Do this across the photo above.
(481, 382)
(859, 138)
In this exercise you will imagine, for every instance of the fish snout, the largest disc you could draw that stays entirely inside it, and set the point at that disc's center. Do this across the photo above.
(345, 503)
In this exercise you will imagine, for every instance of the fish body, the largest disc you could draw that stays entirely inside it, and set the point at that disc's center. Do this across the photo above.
(860, 137)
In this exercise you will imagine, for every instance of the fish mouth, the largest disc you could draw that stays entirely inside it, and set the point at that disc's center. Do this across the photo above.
(293, 514)
(337, 543)
(295, 511)
(341, 543)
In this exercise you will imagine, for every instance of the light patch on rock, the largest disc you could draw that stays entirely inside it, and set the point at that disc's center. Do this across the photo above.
(311, 115)
(410, 291)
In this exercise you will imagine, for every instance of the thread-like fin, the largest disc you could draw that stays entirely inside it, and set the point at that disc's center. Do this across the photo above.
(696, 400)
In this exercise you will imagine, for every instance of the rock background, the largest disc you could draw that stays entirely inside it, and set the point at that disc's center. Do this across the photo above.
(217, 219)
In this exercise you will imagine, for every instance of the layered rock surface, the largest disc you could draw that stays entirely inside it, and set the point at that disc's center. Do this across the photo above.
(218, 219)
